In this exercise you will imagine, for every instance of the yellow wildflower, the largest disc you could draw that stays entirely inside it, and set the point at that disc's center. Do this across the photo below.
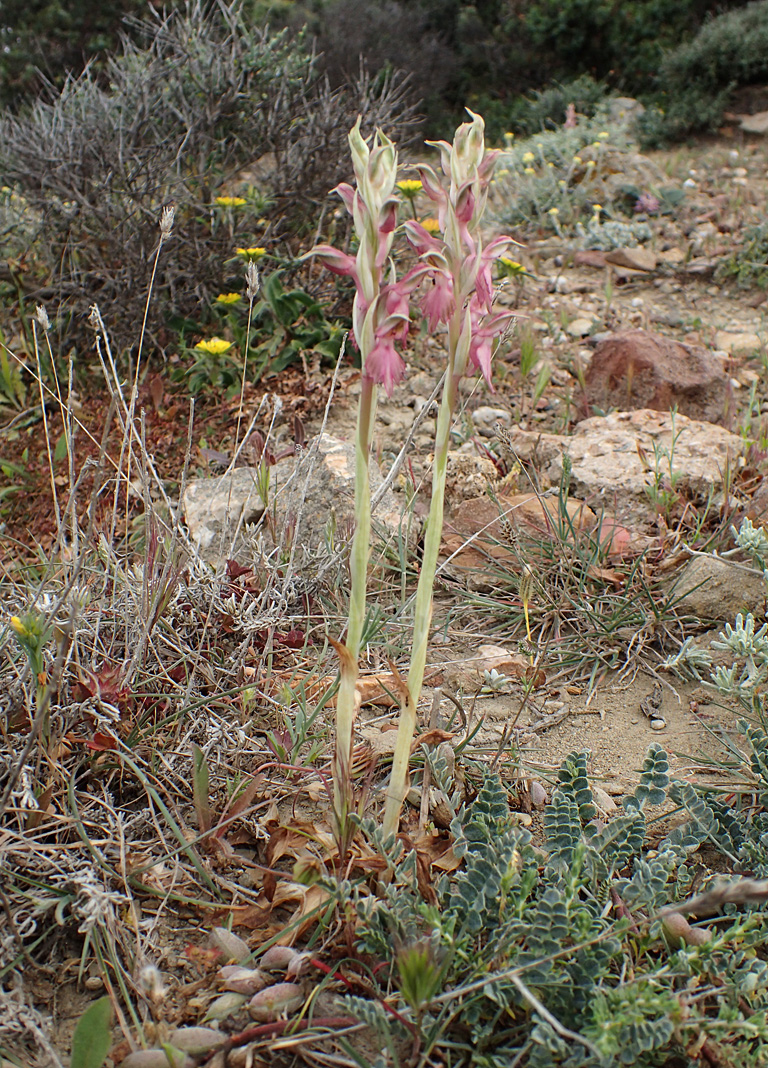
(251, 253)
(231, 202)
(553, 211)
(528, 170)
(562, 183)
(590, 163)
(511, 268)
(577, 160)
(409, 187)
(509, 136)
(603, 135)
(215, 346)
(19, 627)
(528, 157)
(228, 298)
(431, 225)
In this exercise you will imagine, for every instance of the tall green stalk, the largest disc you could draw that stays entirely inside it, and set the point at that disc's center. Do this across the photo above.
(358, 566)
(423, 605)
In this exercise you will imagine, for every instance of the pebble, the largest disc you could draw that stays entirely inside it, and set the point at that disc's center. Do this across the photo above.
(580, 327)
(485, 418)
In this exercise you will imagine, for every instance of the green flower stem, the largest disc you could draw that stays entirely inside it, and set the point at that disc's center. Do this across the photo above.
(345, 700)
(423, 607)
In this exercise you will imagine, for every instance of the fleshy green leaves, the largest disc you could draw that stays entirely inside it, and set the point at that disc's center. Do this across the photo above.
(93, 1035)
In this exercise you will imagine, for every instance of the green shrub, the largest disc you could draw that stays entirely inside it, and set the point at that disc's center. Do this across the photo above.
(205, 100)
(45, 40)
(696, 78)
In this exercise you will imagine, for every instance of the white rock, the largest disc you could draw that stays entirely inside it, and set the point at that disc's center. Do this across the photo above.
(738, 344)
(605, 454)
(486, 417)
(580, 327)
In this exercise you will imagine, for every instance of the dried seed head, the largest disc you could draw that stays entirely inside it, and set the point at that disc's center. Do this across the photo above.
(166, 219)
(42, 317)
(252, 280)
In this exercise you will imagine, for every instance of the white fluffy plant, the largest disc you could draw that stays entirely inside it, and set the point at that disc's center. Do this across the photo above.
(451, 284)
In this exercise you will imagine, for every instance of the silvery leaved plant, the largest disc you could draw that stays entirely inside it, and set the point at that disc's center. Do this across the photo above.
(451, 286)
(746, 642)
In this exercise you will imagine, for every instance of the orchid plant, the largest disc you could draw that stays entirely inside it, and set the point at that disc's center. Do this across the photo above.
(451, 283)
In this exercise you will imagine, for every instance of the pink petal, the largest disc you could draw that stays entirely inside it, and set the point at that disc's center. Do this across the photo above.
(383, 365)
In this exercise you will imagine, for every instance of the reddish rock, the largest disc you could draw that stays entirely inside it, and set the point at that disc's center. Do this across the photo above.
(589, 257)
(636, 369)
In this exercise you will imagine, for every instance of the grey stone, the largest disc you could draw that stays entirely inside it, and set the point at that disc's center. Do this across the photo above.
(485, 418)
(308, 497)
(214, 508)
(323, 492)
(612, 459)
(756, 124)
(711, 588)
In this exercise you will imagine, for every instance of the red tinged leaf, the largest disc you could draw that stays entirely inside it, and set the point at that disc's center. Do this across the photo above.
(101, 743)
(294, 639)
(236, 571)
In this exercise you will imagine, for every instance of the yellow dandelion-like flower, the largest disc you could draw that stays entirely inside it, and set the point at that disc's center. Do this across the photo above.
(409, 187)
(577, 160)
(603, 135)
(231, 202)
(562, 183)
(528, 170)
(550, 164)
(432, 226)
(251, 253)
(503, 172)
(509, 136)
(228, 298)
(597, 208)
(215, 346)
(590, 163)
(553, 211)
(528, 157)
(511, 268)
(19, 627)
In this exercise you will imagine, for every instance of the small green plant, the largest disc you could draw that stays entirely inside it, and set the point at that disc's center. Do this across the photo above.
(662, 491)
(569, 953)
(554, 178)
(748, 265)
(281, 328)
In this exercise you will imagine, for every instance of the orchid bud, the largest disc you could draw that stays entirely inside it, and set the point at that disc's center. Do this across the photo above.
(468, 149)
